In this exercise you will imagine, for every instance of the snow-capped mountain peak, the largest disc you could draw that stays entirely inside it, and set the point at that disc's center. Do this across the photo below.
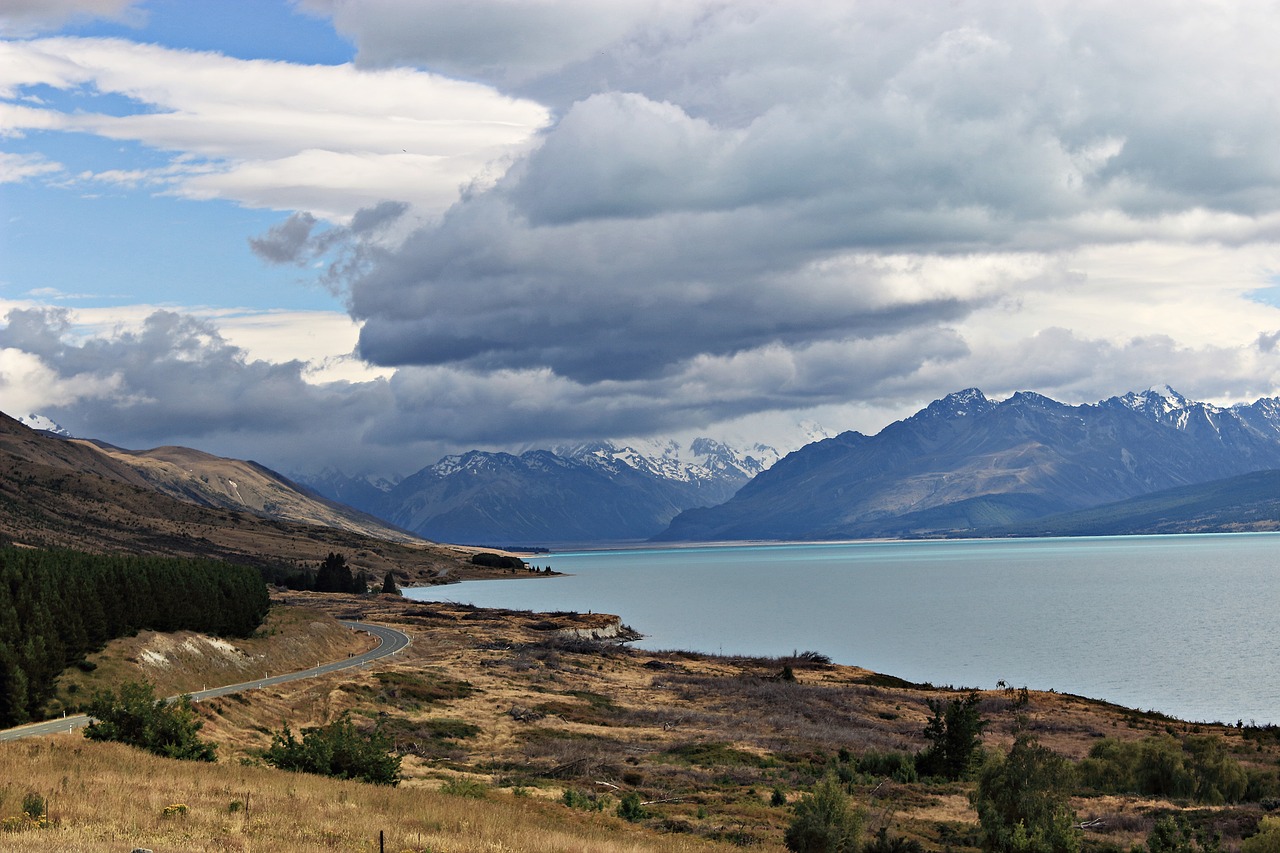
(1157, 400)
(1166, 406)
(42, 423)
(960, 404)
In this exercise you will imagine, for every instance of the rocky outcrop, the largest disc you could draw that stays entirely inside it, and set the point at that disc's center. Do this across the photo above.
(612, 630)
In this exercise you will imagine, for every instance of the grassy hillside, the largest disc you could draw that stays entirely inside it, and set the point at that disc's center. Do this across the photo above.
(517, 736)
(65, 494)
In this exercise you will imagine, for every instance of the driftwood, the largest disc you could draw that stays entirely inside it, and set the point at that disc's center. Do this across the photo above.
(1091, 824)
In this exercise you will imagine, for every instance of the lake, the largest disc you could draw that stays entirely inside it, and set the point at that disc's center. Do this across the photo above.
(1184, 625)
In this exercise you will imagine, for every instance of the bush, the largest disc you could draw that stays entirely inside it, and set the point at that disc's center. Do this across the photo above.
(882, 843)
(1197, 767)
(498, 561)
(631, 808)
(824, 821)
(135, 717)
(591, 802)
(898, 766)
(33, 806)
(1173, 835)
(955, 736)
(338, 749)
(1267, 839)
(1022, 801)
(471, 788)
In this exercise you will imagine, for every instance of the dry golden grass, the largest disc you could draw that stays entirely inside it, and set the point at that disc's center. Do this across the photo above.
(290, 639)
(107, 797)
(705, 739)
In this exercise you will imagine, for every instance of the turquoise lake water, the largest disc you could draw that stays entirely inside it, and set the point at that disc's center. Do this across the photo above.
(1185, 625)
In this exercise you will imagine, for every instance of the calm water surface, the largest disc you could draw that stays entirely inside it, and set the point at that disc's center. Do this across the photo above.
(1186, 625)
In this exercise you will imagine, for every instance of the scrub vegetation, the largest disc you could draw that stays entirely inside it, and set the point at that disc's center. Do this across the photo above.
(516, 731)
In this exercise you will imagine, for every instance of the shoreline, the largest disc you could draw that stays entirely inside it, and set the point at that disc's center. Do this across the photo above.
(1058, 614)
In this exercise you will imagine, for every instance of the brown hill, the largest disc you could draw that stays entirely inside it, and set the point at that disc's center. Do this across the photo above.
(202, 478)
(77, 494)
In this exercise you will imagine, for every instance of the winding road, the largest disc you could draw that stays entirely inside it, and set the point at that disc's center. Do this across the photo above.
(390, 641)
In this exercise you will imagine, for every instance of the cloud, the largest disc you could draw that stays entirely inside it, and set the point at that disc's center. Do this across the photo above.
(511, 40)
(172, 378)
(725, 178)
(19, 167)
(658, 216)
(225, 385)
(286, 243)
(325, 139)
(27, 17)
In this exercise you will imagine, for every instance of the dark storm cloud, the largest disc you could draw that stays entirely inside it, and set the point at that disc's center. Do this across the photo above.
(176, 381)
(740, 207)
(286, 243)
(713, 163)
(301, 241)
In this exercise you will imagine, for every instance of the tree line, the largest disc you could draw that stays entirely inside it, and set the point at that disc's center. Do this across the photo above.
(334, 575)
(58, 606)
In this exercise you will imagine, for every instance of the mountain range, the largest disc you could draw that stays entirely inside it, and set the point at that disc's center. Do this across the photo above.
(967, 465)
(592, 492)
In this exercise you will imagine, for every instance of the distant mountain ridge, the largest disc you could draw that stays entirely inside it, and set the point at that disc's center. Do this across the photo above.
(591, 492)
(968, 463)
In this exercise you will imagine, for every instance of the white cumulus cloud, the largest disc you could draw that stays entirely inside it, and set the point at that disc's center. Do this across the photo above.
(328, 139)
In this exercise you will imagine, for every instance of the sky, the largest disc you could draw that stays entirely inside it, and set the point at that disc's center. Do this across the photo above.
(363, 234)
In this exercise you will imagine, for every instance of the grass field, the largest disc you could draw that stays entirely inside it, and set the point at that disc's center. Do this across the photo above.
(517, 734)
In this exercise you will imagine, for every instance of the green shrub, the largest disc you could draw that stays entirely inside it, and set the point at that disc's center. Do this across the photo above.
(33, 806)
(631, 808)
(898, 766)
(135, 717)
(824, 821)
(575, 799)
(1267, 839)
(1172, 834)
(1198, 767)
(498, 561)
(338, 749)
(955, 737)
(462, 787)
(882, 843)
(1022, 801)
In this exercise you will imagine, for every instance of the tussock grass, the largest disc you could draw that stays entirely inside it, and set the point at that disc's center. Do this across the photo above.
(107, 797)
(499, 704)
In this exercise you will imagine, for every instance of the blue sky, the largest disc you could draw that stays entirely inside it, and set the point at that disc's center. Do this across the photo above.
(402, 229)
(107, 246)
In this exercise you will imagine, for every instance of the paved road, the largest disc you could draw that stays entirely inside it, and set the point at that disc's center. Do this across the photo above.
(390, 641)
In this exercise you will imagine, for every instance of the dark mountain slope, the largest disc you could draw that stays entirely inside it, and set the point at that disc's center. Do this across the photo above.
(585, 493)
(538, 498)
(966, 463)
(1247, 503)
